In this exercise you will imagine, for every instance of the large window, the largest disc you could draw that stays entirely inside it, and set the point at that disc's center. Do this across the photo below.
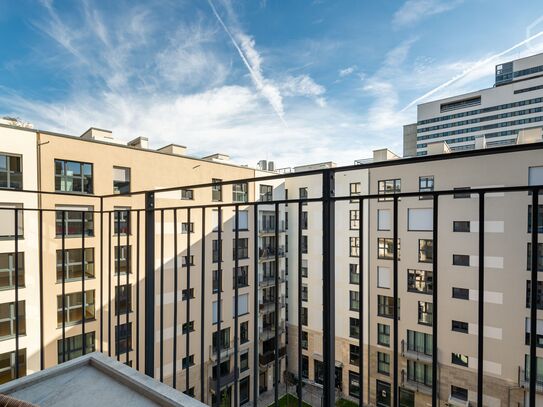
(123, 338)
(460, 260)
(420, 281)
(7, 270)
(216, 190)
(386, 248)
(121, 221)
(77, 220)
(354, 301)
(240, 192)
(242, 248)
(385, 306)
(354, 384)
(354, 327)
(419, 342)
(383, 334)
(187, 194)
(419, 372)
(216, 247)
(426, 184)
(354, 190)
(354, 354)
(319, 372)
(354, 246)
(304, 316)
(266, 193)
(383, 363)
(7, 319)
(354, 219)
(539, 256)
(73, 311)
(243, 277)
(459, 393)
(354, 275)
(305, 367)
(459, 359)
(74, 265)
(460, 293)
(461, 226)
(389, 186)
(121, 180)
(73, 346)
(244, 390)
(303, 194)
(11, 174)
(243, 221)
(73, 176)
(539, 294)
(459, 326)
(244, 332)
(539, 218)
(122, 261)
(426, 250)
(425, 313)
(7, 220)
(224, 339)
(8, 363)
(123, 303)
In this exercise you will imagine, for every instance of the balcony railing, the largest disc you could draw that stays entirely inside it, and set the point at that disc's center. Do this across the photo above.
(524, 380)
(268, 304)
(269, 253)
(225, 380)
(410, 352)
(268, 357)
(269, 280)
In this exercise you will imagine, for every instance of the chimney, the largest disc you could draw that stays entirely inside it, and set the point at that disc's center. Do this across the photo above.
(140, 142)
(480, 142)
(98, 134)
(531, 135)
(174, 149)
(384, 154)
(217, 157)
(439, 147)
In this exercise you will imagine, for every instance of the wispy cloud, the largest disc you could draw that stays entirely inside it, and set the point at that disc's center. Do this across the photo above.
(304, 85)
(413, 11)
(347, 71)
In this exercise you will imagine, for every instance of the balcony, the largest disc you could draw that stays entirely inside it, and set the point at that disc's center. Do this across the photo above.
(268, 305)
(524, 380)
(269, 357)
(269, 230)
(409, 352)
(269, 253)
(225, 380)
(226, 352)
(269, 280)
(414, 385)
(268, 331)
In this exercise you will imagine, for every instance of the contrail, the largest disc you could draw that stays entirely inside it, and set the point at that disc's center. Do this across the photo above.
(465, 73)
(254, 75)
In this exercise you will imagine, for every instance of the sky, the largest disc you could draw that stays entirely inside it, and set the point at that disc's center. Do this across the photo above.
(295, 82)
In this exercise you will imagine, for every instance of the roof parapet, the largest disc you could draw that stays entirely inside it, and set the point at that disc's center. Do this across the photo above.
(174, 149)
(139, 142)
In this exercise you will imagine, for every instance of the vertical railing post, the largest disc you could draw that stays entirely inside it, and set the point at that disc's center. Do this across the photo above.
(187, 321)
(255, 304)
(361, 301)
(118, 286)
(435, 390)
(219, 305)
(175, 305)
(63, 256)
(236, 303)
(396, 300)
(481, 310)
(299, 310)
(16, 309)
(161, 333)
(203, 295)
(138, 290)
(277, 366)
(328, 280)
(150, 284)
(83, 296)
(534, 299)
(40, 249)
(101, 274)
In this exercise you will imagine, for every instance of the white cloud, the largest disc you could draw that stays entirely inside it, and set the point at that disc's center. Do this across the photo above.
(412, 11)
(303, 85)
(347, 71)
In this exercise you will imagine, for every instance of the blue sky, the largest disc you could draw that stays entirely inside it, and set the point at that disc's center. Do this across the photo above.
(291, 81)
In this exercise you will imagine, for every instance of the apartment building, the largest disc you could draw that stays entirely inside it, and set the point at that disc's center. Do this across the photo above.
(488, 117)
(101, 243)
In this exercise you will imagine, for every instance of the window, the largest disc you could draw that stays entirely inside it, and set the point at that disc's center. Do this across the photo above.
(187, 194)
(539, 256)
(539, 368)
(419, 342)
(121, 180)
(122, 260)
(383, 394)
(224, 339)
(215, 281)
(187, 327)
(354, 219)
(386, 248)
(216, 190)
(354, 275)
(383, 219)
(242, 248)
(304, 316)
(244, 332)
(187, 227)
(462, 195)
(460, 293)
(426, 184)
(239, 192)
(243, 305)
(73, 264)
(461, 226)
(304, 220)
(354, 243)
(304, 268)
(7, 270)
(354, 384)
(383, 363)
(303, 194)
(7, 365)
(73, 308)
(459, 326)
(420, 219)
(190, 392)
(383, 334)
(354, 355)
(535, 176)
(390, 186)
(459, 393)
(305, 340)
(187, 362)
(354, 302)
(538, 335)
(385, 306)
(383, 277)
(304, 293)
(305, 367)
(460, 260)
(354, 328)
(354, 190)
(244, 362)
(266, 193)
(123, 338)
(419, 373)
(539, 294)
(304, 244)
(7, 319)
(76, 221)
(243, 277)
(426, 250)
(73, 346)
(426, 310)
(216, 248)
(420, 281)
(11, 175)
(319, 371)
(73, 176)
(124, 298)
(121, 221)
(243, 220)
(244, 390)
(187, 261)
(539, 218)
(459, 359)
(407, 397)
(7, 220)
